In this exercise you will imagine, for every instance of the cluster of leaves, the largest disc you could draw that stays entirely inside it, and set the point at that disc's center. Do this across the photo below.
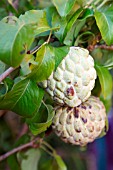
(36, 42)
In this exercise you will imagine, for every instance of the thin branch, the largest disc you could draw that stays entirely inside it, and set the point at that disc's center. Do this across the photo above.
(105, 47)
(15, 4)
(35, 49)
(6, 73)
(48, 40)
(27, 145)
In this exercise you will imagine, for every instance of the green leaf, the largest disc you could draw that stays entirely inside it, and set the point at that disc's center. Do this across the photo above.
(50, 11)
(105, 79)
(72, 21)
(57, 21)
(13, 158)
(104, 20)
(49, 164)
(70, 36)
(24, 98)
(42, 25)
(8, 82)
(32, 16)
(25, 65)
(109, 63)
(87, 13)
(15, 164)
(60, 162)
(63, 7)
(79, 24)
(84, 37)
(30, 159)
(39, 19)
(42, 120)
(45, 64)
(59, 54)
(14, 39)
(107, 102)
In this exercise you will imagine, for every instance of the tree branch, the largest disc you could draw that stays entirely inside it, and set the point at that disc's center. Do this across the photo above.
(105, 47)
(27, 145)
(6, 73)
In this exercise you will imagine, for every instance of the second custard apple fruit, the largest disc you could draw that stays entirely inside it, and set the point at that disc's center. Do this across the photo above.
(74, 78)
(82, 124)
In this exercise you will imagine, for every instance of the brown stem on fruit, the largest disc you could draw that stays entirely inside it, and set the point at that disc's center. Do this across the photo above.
(6, 73)
(31, 144)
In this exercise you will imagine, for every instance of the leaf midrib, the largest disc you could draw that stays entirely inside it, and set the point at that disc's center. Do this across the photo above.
(21, 94)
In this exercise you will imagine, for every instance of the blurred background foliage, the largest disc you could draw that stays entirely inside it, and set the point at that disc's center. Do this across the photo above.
(96, 156)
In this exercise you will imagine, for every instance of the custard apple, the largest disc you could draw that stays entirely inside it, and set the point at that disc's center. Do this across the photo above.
(74, 78)
(82, 124)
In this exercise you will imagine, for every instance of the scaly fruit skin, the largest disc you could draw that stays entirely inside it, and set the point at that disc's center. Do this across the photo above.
(82, 124)
(74, 78)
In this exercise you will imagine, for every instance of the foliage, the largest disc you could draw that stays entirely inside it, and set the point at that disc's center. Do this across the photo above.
(34, 38)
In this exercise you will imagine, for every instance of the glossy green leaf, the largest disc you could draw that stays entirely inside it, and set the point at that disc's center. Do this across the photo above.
(109, 63)
(39, 19)
(105, 79)
(60, 162)
(14, 39)
(104, 20)
(107, 102)
(50, 11)
(59, 54)
(70, 36)
(30, 159)
(57, 21)
(31, 16)
(42, 25)
(72, 21)
(63, 7)
(24, 98)
(8, 82)
(45, 64)
(42, 120)
(87, 13)
(25, 65)
(78, 27)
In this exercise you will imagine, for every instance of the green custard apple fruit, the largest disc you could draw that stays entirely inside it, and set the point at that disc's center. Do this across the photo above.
(74, 78)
